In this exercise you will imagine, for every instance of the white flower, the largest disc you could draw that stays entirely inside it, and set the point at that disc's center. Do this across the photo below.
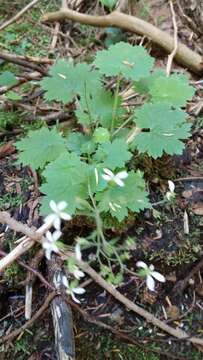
(78, 273)
(170, 194)
(49, 243)
(72, 291)
(117, 179)
(58, 214)
(78, 255)
(149, 273)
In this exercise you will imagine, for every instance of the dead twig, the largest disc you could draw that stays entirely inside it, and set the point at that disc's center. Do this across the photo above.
(55, 37)
(18, 15)
(184, 55)
(17, 226)
(25, 61)
(182, 284)
(26, 243)
(34, 59)
(30, 322)
(173, 53)
(31, 270)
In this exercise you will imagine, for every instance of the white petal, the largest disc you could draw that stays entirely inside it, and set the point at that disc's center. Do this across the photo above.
(78, 274)
(65, 216)
(118, 181)
(74, 298)
(50, 219)
(171, 185)
(49, 236)
(48, 254)
(78, 254)
(53, 206)
(56, 235)
(158, 276)
(108, 172)
(107, 177)
(122, 174)
(62, 205)
(150, 283)
(141, 264)
(78, 290)
(57, 223)
(151, 267)
(65, 281)
(46, 245)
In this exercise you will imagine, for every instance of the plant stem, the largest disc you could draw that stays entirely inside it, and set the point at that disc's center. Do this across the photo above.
(115, 105)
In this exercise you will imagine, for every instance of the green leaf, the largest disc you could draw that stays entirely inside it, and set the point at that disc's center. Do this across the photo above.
(75, 142)
(108, 3)
(165, 128)
(113, 155)
(118, 201)
(101, 135)
(66, 81)
(144, 84)
(7, 78)
(133, 62)
(66, 179)
(99, 108)
(174, 90)
(40, 147)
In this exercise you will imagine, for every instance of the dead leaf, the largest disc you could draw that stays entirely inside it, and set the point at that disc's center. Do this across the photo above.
(7, 149)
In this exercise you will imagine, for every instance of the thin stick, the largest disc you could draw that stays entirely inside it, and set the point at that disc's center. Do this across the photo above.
(17, 226)
(184, 55)
(173, 53)
(15, 58)
(29, 323)
(18, 15)
(55, 37)
(25, 245)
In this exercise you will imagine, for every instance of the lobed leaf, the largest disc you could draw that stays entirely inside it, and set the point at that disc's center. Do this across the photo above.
(40, 147)
(66, 81)
(114, 154)
(133, 62)
(164, 129)
(66, 180)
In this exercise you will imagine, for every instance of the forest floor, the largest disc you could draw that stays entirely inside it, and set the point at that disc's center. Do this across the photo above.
(160, 237)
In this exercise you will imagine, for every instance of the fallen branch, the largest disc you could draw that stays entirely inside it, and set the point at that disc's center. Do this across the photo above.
(18, 15)
(184, 55)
